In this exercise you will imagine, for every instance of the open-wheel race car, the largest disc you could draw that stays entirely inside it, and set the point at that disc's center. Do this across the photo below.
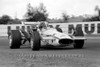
(43, 34)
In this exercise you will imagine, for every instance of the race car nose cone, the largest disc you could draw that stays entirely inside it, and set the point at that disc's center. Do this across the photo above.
(65, 41)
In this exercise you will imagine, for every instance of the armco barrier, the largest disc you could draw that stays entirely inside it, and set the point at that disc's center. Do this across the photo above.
(89, 28)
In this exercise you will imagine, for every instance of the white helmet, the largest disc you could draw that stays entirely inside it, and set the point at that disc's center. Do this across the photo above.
(43, 25)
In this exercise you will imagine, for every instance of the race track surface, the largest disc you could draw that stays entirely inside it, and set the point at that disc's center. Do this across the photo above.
(89, 56)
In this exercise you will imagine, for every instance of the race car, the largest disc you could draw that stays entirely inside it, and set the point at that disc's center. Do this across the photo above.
(44, 34)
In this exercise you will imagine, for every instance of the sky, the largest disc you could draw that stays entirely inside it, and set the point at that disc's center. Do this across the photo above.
(55, 8)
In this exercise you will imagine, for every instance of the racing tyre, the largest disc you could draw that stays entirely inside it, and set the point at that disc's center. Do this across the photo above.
(35, 41)
(78, 44)
(15, 39)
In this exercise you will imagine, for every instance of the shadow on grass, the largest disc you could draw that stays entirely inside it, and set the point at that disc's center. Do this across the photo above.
(51, 47)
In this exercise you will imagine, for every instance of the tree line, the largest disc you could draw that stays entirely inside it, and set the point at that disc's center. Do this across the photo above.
(6, 19)
(40, 13)
(94, 18)
(33, 14)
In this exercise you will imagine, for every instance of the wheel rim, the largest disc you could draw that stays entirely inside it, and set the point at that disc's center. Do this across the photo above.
(10, 40)
(31, 42)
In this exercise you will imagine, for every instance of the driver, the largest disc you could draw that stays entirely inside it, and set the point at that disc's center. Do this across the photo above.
(43, 26)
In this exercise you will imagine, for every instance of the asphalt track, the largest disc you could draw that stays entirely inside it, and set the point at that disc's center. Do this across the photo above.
(89, 56)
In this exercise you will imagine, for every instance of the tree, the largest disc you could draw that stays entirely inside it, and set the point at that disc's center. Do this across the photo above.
(94, 18)
(36, 14)
(65, 16)
(4, 19)
(98, 9)
(14, 21)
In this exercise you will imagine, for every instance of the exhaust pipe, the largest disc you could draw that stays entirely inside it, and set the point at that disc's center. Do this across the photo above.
(65, 41)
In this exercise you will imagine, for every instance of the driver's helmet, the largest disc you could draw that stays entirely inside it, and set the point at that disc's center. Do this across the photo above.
(43, 25)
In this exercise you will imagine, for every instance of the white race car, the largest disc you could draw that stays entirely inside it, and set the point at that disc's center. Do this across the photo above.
(45, 36)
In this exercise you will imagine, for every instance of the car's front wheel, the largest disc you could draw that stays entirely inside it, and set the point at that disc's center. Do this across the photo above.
(78, 44)
(15, 39)
(35, 41)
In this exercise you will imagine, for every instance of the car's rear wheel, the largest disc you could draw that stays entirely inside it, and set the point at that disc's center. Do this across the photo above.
(35, 41)
(78, 44)
(15, 39)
